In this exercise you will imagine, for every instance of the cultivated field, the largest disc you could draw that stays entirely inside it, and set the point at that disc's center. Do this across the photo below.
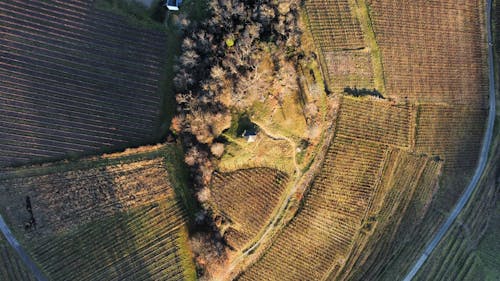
(338, 35)
(11, 266)
(318, 240)
(245, 200)
(454, 133)
(438, 85)
(66, 197)
(408, 184)
(436, 52)
(374, 195)
(112, 217)
(75, 80)
(144, 243)
(334, 25)
(377, 121)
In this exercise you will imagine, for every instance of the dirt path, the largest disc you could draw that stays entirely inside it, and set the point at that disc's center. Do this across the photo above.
(482, 160)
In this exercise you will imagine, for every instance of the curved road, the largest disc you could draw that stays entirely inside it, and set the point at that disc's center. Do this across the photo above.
(20, 251)
(482, 160)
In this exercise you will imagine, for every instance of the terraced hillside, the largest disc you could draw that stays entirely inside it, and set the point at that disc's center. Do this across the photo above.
(245, 200)
(11, 266)
(75, 80)
(113, 217)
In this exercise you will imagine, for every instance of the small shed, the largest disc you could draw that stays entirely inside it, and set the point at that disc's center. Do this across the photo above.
(249, 135)
(173, 5)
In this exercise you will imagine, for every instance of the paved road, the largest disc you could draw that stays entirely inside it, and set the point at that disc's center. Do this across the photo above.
(20, 251)
(482, 160)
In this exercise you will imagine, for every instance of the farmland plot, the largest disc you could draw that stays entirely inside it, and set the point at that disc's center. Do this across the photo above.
(376, 120)
(144, 243)
(318, 240)
(74, 80)
(408, 183)
(351, 69)
(113, 217)
(456, 137)
(62, 195)
(246, 199)
(338, 34)
(334, 25)
(62, 200)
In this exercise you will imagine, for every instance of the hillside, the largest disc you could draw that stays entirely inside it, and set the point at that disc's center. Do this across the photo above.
(311, 140)
(442, 129)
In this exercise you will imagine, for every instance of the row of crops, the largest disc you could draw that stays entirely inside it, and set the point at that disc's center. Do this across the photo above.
(11, 266)
(144, 243)
(470, 250)
(398, 209)
(334, 25)
(452, 132)
(370, 189)
(437, 84)
(75, 80)
(339, 36)
(246, 200)
(321, 233)
(435, 53)
(113, 217)
(377, 120)
(70, 197)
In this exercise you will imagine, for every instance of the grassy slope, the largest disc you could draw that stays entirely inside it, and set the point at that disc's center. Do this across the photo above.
(363, 14)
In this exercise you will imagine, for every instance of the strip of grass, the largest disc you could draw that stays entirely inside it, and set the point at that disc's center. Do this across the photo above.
(363, 13)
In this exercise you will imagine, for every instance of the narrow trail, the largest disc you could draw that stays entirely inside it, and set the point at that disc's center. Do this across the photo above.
(443, 229)
(301, 180)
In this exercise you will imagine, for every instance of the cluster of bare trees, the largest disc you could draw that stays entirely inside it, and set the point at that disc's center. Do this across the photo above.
(217, 67)
(218, 70)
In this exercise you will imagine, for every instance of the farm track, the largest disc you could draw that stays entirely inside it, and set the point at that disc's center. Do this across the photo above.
(482, 160)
